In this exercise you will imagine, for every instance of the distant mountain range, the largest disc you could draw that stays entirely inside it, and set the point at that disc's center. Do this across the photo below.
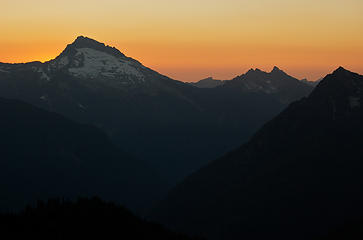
(173, 126)
(299, 177)
(45, 155)
(262, 81)
(208, 83)
(275, 83)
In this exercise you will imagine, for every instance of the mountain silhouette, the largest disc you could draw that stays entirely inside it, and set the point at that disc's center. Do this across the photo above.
(208, 83)
(299, 176)
(45, 155)
(175, 127)
(277, 83)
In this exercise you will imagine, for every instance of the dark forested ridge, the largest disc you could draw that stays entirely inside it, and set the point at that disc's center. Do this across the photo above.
(81, 219)
(46, 155)
(299, 177)
(175, 127)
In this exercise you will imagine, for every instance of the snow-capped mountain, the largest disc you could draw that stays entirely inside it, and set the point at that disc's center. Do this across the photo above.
(87, 58)
(173, 125)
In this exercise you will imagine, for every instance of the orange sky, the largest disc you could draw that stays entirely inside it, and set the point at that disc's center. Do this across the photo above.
(193, 39)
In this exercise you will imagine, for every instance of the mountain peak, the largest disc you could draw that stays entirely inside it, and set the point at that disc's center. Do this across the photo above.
(341, 70)
(275, 69)
(88, 58)
(256, 70)
(339, 86)
(250, 71)
(86, 42)
(341, 74)
(208, 82)
(82, 40)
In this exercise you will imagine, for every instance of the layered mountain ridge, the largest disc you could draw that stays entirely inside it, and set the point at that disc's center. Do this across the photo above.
(175, 127)
(209, 82)
(276, 82)
(46, 155)
(299, 177)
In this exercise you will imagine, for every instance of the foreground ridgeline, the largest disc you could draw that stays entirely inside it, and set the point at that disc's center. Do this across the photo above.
(45, 155)
(299, 177)
(83, 219)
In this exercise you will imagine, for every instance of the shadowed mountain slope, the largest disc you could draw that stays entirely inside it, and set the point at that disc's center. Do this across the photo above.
(46, 155)
(174, 126)
(298, 177)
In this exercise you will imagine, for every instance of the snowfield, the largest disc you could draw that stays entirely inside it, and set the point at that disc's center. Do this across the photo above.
(97, 63)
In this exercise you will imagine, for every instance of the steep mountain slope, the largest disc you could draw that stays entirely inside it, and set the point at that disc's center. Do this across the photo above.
(83, 219)
(173, 125)
(46, 155)
(298, 177)
(208, 83)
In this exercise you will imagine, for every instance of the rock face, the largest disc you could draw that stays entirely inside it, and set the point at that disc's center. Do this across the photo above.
(297, 178)
(176, 127)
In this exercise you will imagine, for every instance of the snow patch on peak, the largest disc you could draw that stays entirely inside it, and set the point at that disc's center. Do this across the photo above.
(81, 106)
(43, 75)
(63, 61)
(44, 97)
(97, 63)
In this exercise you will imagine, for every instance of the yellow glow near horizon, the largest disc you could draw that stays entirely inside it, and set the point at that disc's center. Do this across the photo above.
(192, 39)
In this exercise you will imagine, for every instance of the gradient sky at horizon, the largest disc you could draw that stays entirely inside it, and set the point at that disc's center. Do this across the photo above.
(193, 39)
